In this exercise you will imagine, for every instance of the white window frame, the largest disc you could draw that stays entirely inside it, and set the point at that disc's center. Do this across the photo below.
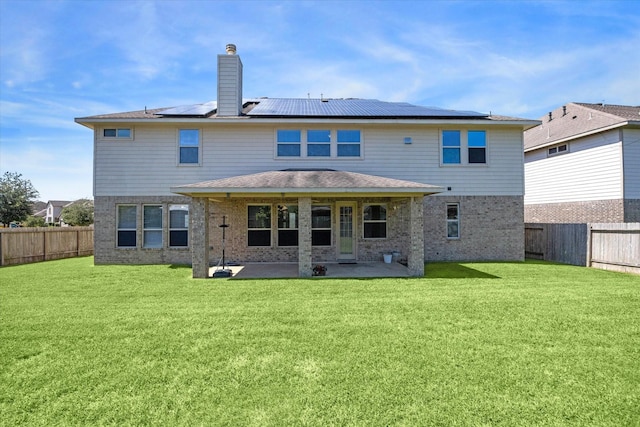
(375, 221)
(304, 144)
(464, 148)
(330, 228)
(116, 136)
(556, 150)
(178, 147)
(179, 207)
(270, 229)
(296, 229)
(452, 221)
(127, 229)
(152, 230)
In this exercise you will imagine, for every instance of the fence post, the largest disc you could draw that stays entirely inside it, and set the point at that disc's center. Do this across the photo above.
(589, 236)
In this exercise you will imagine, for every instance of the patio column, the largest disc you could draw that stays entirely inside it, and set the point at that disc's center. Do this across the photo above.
(416, 245)
(304, 237)
(199, 236)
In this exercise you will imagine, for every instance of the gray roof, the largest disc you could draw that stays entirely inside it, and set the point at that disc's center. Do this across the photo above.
(264, 108)
(313, 181)
(579, 119)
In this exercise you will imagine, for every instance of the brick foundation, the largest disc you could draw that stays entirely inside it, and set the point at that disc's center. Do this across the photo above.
(584, 212)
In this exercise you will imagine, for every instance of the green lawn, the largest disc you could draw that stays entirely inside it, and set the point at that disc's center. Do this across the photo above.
(474, 344)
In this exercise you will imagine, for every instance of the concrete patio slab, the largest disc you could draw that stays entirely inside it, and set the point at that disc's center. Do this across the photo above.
(290, 270)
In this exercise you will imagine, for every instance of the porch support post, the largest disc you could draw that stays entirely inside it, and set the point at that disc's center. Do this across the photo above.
(416, 246)
(304, 237)
(199, 236)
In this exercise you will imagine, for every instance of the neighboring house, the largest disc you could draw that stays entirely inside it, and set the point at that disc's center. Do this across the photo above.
(305, 181)
(53, 211)
(582, 164)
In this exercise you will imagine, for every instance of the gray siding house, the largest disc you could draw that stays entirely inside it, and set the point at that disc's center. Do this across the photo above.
(582, 164)
(305, 181)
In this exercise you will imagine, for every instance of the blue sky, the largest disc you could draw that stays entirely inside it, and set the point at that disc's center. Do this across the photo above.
(65, 59)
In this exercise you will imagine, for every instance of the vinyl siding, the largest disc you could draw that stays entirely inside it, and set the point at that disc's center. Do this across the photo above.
(148, 165)
(631, 147)
(592, 170)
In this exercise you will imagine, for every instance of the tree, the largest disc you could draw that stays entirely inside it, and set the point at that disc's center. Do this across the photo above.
(78, 213)
(16, 198)
(34, 221)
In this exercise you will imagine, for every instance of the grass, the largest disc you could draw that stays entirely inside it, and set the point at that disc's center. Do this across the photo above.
(474, 344)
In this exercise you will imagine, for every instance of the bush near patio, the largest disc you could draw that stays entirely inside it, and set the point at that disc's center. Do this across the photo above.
(507, 344)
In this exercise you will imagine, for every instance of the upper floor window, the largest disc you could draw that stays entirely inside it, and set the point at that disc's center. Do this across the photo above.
(318, 143)
(127, 226)
(558, 149)
(375, 221)
(288, 143)
(477, 146)
(288, 225)
(348, 143)
(259, 225)
(451, 146)
(189, 146)
(464, 147)
(124, 133)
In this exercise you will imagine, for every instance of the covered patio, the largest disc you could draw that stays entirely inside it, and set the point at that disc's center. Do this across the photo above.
(346, 191)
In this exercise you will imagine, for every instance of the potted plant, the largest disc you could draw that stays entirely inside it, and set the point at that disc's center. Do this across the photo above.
(319, 270)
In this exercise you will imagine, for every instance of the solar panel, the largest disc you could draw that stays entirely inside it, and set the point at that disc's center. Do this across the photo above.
(300, 107)
(190, 110)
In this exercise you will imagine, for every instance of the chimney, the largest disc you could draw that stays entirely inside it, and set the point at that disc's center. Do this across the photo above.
(229, 83)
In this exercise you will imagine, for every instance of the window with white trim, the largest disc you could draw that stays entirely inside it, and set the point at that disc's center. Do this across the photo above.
(453, 221)
(189, 146)
(259, 225)
(152, 226)
(374, 221)
(318, 143)
(288, 142)
(558, 149)
(451, 147)
(463, 147)
(178, 226)
(127, 226)
(287, 225)
(122, 133)
(348, 143)
(320, 225)
(477, 146)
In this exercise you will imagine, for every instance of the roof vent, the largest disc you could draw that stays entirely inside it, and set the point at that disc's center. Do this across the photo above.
(564, 110)
(550, 116)
(231, 49)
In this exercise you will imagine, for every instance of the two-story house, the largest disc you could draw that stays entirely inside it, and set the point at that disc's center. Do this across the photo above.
(305, 181)
(582, 164)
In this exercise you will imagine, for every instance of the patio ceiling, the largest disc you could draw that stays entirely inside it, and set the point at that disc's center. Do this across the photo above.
(312, 182)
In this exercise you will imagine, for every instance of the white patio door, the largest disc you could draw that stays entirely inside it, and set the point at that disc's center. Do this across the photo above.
(346, 231)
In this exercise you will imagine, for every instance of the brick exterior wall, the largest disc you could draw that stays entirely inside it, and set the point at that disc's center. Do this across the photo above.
(583, 212)
(105, 250)
(491, 228)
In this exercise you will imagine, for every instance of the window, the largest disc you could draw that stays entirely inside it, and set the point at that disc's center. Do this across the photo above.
(152, 226)
(127, 224)
(451, 146)
(259, 225)
(189, 146)
(288, 225)
(288, 143)
(178, 226)
(375, 221)
(117, 133)
(453, 221)
(477, 145)
(348, 143)
(558, 149)
(321, 225)
(318, 143)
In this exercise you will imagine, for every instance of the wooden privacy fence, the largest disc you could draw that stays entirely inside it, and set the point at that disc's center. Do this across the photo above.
(25, 245)
(614, 246)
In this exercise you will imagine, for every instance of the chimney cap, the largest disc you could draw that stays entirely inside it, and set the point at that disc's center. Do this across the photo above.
(231, 49)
